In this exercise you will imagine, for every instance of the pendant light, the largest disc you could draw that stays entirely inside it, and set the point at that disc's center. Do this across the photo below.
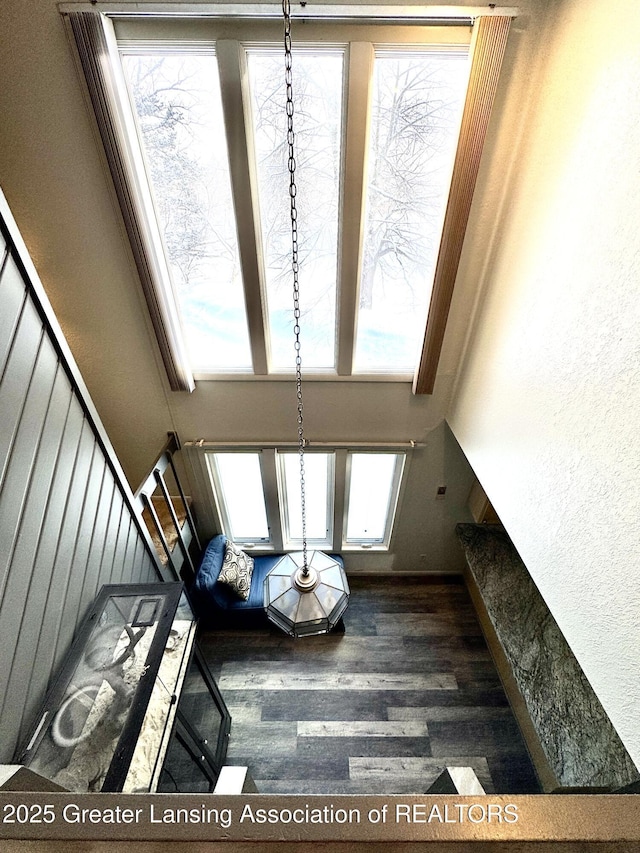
(305, 593)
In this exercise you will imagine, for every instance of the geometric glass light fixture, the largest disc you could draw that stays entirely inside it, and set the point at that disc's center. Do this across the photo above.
(303, 594)
(305, 604)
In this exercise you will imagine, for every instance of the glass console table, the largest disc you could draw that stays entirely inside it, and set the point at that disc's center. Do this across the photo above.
(135, 708)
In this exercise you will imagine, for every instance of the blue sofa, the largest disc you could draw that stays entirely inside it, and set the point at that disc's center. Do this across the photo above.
(213, 601)
(216, 605)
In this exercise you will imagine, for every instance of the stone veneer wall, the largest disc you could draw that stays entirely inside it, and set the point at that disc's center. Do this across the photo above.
(579, 743)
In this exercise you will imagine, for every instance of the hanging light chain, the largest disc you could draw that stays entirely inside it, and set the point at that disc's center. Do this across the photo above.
(286, 11)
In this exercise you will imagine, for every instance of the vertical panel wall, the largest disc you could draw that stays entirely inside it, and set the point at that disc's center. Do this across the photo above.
(67, 524)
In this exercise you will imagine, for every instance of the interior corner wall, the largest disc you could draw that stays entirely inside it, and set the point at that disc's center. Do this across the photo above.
(547, 405)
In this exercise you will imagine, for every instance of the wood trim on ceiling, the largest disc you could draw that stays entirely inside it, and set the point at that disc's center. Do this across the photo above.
(488, 48)
(91, 38)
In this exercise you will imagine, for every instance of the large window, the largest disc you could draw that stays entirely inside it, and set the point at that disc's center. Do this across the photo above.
(413, 99)
(318, 99)
(239, 496)
(373, 479)
(417, 97)
(176, 97)
(390, 121)
(257, 495)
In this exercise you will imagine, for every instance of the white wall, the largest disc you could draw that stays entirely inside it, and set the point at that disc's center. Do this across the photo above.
(548, 403)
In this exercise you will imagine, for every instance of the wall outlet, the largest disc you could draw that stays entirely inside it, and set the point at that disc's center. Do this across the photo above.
(441, 491)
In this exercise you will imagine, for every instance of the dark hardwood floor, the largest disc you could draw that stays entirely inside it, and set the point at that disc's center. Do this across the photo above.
(408, 689)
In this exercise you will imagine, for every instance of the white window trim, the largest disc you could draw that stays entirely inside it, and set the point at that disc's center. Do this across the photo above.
(199, 453)
(392, 508)
(217, 491)
(291, 543)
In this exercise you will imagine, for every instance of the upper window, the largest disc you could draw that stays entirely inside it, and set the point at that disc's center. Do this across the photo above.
(390, 124)
(350, 497)
(176, 95)
(416, 106)
(214, 192)
(318, 117)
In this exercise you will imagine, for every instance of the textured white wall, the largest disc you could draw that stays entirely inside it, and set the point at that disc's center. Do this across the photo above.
(548, 402)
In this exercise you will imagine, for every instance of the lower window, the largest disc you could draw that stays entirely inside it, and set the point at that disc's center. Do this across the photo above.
(373, 483)
(350, 497)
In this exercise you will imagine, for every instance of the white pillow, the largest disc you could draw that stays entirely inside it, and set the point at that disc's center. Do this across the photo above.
(236, 571)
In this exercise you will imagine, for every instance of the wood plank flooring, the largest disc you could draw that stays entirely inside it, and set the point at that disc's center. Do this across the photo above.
(408, 689)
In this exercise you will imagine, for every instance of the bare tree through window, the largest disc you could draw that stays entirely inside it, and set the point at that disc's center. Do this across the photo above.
(417, 101)
(179, 110)
(415, 112)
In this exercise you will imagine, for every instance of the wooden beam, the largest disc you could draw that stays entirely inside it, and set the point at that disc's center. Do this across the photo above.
(96, 53)
(487, 51)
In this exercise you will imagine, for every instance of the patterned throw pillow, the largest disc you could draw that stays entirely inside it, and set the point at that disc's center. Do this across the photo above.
(236, 571)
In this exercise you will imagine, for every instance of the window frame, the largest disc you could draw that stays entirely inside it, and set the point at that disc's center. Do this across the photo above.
(94, 35)
(222, 509)
(289, 542)
(337, 494)
(374, 543)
